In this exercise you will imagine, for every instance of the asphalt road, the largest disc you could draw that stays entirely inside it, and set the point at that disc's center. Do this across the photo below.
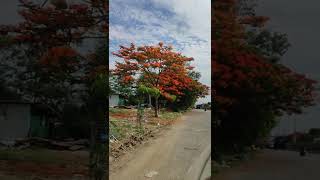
(276, 165)
(179, 153)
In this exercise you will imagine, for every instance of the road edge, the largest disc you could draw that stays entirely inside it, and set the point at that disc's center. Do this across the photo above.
(196, 169)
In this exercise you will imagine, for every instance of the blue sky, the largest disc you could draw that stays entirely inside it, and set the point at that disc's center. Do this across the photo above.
(185, 24)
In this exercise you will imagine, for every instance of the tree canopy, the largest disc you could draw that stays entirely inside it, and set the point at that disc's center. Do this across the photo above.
(157, 67)
(249, 82)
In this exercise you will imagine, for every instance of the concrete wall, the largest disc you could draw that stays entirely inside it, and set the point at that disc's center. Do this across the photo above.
(14, 121)
(113, 100)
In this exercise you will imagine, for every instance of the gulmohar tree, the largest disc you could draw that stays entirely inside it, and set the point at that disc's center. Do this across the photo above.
(156, 67)
(41, 56)
(251, 88)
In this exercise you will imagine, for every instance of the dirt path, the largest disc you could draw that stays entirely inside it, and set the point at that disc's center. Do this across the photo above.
(276, 165)
(178, 151)
(45, 165)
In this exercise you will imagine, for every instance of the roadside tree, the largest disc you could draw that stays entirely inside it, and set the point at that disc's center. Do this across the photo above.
(154, 67)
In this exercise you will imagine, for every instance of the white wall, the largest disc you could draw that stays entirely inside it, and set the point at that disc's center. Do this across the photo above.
(113, 100)
(16, 122)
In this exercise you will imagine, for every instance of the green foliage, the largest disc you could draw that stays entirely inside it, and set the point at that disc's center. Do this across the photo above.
(99, 88)
(183, 102)
(170, 115)
(189, 97)
(173, 97)
(271, 45)
(4, 40)
(131, 100)
(194, 75)
(244, 125)
(248, 105)
(315, 132)
(154, 92)
(75, 122)
(125, 90)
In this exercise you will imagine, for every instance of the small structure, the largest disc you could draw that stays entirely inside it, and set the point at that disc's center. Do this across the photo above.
(20, 119)
(15, 117)
(114, 100)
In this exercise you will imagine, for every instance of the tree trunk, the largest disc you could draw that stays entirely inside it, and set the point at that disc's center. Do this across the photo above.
(150, 105)
(139, 114)
(156, 107)
(99, 141)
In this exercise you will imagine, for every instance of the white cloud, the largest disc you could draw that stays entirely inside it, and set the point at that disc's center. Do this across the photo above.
(118, 32)
(184, 23)
(197, 14)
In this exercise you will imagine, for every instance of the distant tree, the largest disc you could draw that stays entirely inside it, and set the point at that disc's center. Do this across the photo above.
(190, 96)
(124, 90)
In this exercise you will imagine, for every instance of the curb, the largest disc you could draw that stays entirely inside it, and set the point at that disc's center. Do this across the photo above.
(196, 169)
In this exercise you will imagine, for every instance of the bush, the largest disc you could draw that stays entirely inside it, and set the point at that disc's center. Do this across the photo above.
(183, 102)
(242, 127)
(314, 132)
(75, 122)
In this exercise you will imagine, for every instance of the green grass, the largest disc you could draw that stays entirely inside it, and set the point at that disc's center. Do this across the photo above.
(215, 171)
(122, 128)
(169, 115)
(118, 110)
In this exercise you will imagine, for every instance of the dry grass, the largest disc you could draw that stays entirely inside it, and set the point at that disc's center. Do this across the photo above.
(125, 131)
(44, 163)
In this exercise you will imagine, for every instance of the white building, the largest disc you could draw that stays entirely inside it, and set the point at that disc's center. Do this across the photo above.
(114, 100)
(15, 118)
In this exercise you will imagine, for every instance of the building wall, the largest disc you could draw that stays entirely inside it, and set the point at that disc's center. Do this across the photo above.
(14, 121)
(113, 100)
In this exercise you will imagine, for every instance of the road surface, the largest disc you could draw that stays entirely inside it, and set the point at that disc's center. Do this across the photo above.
(179, 153)
(276, 165)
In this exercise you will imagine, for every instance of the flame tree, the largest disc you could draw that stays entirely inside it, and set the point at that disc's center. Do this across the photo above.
(250, 89)
(156, 67)
(43, 59)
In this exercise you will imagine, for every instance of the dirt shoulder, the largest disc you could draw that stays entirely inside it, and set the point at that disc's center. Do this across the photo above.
(43, 164)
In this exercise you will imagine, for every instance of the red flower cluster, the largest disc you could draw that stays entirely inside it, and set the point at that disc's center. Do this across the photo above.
(236, 71)
(161, 68)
